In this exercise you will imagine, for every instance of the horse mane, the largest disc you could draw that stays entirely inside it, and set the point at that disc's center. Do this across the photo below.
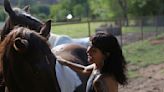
(31, 69)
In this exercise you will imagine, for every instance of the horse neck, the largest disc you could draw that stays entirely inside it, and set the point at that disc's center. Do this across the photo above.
(52, 62)
(41, 82)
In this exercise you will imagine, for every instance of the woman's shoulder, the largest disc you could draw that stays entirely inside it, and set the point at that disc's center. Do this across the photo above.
(105, 77)
(108, 78)
(107, 81)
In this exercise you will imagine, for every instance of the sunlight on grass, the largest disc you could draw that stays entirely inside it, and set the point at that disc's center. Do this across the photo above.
(81, 29)
(143, 53)
(76, 30)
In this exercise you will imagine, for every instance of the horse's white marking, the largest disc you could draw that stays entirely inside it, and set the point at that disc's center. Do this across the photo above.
(55, 40)
(67, 78)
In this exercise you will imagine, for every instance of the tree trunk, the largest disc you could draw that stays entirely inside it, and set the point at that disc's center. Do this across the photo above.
(123, 4)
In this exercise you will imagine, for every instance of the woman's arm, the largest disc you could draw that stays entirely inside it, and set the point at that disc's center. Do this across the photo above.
(84, 70)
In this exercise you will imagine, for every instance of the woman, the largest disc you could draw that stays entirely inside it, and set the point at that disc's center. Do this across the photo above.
(108, 65)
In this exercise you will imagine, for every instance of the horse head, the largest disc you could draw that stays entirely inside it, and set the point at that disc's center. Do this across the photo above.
(27, 61)
(19, 17)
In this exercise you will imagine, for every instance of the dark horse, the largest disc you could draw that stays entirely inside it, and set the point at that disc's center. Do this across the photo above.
(72, 52)
(27, 63)
(19, 17)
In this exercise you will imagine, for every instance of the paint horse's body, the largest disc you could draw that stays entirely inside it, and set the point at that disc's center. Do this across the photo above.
(27, 62)
(56, 40)
(23, 19)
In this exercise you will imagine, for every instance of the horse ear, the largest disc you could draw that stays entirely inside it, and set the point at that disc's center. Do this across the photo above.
(20, 44)
(26, 9)
(8, 8)
(46, 28)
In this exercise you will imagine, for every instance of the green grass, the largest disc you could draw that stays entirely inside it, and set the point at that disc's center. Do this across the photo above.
(81, 29)
(143, 54)
(76, 30)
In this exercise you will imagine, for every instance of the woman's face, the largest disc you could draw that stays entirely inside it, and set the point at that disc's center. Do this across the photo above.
(95, 55)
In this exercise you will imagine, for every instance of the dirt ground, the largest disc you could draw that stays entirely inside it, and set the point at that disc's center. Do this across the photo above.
(151, 78)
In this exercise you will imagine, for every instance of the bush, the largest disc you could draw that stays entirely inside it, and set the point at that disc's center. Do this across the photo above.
(41, 10)
(2, 14)
(78, 11)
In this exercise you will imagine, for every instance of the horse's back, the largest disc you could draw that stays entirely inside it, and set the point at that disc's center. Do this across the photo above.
(74, 53)
(82, 41)
(55, 40)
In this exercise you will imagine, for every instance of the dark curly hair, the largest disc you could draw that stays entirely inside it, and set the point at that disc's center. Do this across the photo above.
(114, 64)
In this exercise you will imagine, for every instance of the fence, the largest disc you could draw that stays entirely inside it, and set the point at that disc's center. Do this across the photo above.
(137, 29)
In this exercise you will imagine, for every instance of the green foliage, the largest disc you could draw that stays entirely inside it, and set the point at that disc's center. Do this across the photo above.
(61, 15)
(54, 11)
(95, 9)
(2, 14)
(41, 10)
(146, 7)
(99, 9)
(78, 10)
(105, 9)
(58, 13)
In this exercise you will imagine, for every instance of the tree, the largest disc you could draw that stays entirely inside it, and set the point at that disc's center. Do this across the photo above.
(99, 9)
(146, 7)
(2, 14)
(40, 10)
(78, 10)
(123, 5)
